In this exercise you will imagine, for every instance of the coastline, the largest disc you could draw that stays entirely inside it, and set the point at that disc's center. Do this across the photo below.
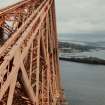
(67, 49)
(87, 60)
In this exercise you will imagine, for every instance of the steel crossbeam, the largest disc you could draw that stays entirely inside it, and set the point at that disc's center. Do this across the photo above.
(29, 65)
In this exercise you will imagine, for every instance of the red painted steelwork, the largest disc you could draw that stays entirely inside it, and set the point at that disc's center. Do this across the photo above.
(29, 65)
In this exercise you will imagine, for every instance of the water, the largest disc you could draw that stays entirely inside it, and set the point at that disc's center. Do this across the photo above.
(91, 39)
(83, 37)
(94, 39)
(84, 84)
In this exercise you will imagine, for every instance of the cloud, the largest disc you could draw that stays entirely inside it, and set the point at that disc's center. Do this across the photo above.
(76, 15)
(80, 15)
(5, 3)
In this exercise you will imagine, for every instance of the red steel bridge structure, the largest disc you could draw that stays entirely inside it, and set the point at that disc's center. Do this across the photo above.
(29, 64)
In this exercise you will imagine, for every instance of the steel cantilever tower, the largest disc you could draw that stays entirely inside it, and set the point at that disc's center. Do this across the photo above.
(29, 65)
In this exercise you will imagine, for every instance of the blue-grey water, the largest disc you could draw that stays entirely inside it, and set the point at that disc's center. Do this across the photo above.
(84, 84)
(83, 37)
(94, 39)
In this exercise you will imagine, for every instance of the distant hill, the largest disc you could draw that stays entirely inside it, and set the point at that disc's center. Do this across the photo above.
(66, 47)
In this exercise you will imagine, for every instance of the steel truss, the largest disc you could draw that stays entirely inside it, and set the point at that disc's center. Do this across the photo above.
(29, 65)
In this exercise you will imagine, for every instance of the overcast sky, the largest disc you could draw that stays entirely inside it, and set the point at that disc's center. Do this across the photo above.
(5, 3)
(76, 15)
(80, 15)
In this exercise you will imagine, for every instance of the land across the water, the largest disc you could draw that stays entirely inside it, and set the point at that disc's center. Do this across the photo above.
(66, 49)
(88, 60)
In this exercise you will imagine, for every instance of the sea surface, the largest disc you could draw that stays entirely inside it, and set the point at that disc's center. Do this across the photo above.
(96, 39)
(84, 84)
(91, 39)
(83, 37)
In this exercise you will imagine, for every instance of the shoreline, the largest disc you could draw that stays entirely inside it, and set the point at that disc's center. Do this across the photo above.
(70, 48)
(86, 60)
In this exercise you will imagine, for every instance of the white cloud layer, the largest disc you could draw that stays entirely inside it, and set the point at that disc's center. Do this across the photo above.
(80, 15)
(76, 15)
(5, 3)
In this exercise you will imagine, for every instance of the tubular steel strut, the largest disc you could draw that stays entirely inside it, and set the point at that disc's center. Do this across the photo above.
(29, 65)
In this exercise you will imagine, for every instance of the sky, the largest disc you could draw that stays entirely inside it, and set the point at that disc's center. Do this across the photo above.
(5, 3)
(75, 16)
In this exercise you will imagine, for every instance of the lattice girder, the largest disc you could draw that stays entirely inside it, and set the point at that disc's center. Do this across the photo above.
(29, 72)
